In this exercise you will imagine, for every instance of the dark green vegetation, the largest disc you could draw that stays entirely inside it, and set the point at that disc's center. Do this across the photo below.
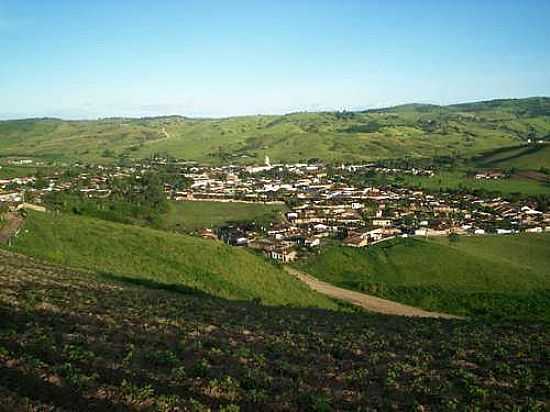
(77, 341)
(413, 131)
(144, 254)
(9, 172)
(133, 199)
(489, 276)
(180, 216)
(188, 216)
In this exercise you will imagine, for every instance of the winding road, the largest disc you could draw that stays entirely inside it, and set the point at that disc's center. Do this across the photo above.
(368, 302)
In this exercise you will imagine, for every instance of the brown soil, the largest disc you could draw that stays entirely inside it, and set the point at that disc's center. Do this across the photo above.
(13, 223)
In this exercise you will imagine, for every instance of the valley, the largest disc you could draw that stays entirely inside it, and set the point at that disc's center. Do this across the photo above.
(238, 252)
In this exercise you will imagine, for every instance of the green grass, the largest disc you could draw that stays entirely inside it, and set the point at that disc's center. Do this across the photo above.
(189, 216)
(10, 172)
(457, 180)
(525, 158)
(407, 131)
(178, 260)
(489, 276)
(74, 341)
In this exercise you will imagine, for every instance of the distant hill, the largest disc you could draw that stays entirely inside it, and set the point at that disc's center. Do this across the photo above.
(411, 130)
(533, 106)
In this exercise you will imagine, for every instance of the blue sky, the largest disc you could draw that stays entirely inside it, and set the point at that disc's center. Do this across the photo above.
(88, 59)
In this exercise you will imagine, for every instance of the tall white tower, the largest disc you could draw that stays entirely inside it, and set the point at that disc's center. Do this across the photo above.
(267, 162)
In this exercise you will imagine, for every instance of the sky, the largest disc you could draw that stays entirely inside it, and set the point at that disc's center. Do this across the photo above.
(87, 59)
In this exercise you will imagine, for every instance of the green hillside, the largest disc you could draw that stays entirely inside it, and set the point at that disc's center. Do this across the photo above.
(459, 179)
(139, 253)
(495, 276)
(73, 341)
(409, 130)
(533, 157)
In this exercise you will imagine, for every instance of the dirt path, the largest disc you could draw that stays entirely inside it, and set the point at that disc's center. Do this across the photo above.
(11, 226)
(370, 303)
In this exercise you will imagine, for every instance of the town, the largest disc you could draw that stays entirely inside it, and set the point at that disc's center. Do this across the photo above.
(323, 203)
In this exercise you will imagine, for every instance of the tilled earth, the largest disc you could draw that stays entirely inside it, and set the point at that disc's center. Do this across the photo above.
(77, 341)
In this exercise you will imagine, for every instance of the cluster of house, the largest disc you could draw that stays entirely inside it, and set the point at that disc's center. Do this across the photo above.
(361, 217)
(490, 174)
(94, 182)
(322, 204)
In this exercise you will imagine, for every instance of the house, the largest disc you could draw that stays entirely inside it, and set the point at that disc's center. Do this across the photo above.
(283, 254)
(430, 232)
(381, 222)
(312, 242)
(30, 206)
(11, 197)
(356, 241)
(232, 235)
(208, 234)
(320, 228)
(421, 232)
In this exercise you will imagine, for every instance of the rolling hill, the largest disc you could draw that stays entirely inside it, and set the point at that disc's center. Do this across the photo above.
(408, 130)
(145, 255)
(487, 276)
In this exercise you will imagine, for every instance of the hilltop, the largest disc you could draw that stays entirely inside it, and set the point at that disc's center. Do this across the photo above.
(411, 130)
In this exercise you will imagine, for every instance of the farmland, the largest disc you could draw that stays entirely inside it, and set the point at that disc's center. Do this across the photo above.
(488, 276)
(533, 157)
(175, 261)
(73, 340)
(24, 171)
(189, 216)
(457, 180)
(415, 131)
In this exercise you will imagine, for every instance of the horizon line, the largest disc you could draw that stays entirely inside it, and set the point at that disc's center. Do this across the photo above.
(222, 117)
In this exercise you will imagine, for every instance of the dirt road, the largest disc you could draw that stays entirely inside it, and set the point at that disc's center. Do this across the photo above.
(370, 303)
(11, 226)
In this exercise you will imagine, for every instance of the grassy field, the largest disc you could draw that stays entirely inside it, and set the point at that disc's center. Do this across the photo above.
(410, 130)
(73, 341)
(150, 255)
(457, 180)
(189, 216)
(10, 172)
(524, 157)
(489, 276)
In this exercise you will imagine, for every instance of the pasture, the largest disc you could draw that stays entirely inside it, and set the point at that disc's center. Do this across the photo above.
(190, 216)
(488, 276)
